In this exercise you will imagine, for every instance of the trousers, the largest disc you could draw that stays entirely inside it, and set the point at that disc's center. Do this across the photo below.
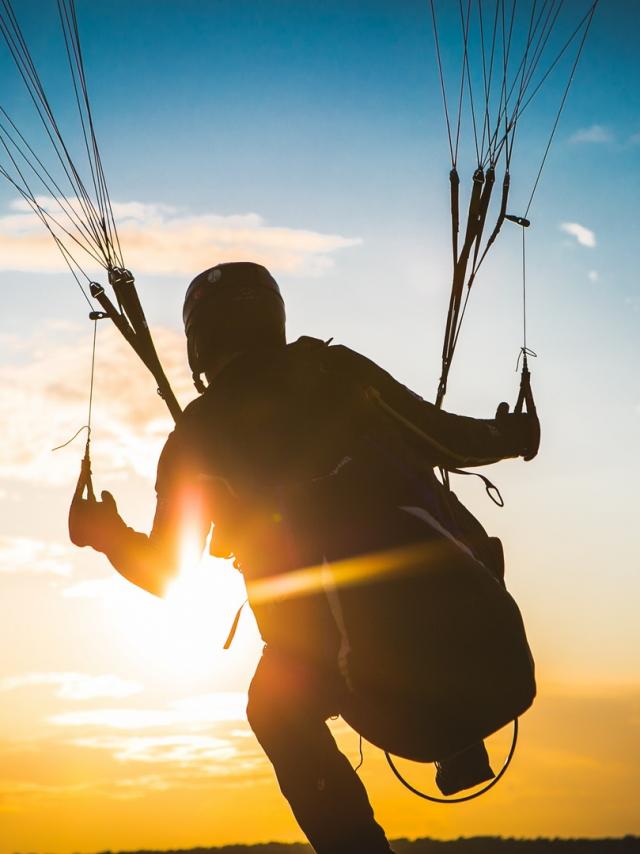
(289, 704)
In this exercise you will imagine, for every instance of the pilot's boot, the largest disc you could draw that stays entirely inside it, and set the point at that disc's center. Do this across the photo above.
(463, 770)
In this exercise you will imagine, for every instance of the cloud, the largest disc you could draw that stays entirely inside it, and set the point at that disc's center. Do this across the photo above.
(74, 686)
(14, 793)
(23, 554)
(182, 750)
(582, 234)
(44, 380)
(93, 588)
(189, 774)
(593, 134)
(48, 395)
(163, 240)
(634, 139)
(593, 275)
(192, 711)
(186, 740)
(578, 746)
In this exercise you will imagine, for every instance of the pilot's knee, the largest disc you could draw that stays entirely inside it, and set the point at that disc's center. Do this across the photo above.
(263, 715)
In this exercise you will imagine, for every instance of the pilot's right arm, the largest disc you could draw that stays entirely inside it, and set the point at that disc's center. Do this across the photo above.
(180, 526)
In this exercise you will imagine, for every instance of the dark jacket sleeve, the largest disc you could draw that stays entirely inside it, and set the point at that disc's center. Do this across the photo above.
(450, 441)
(179, 530)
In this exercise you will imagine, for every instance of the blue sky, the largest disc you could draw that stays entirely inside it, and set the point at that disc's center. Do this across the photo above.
(329, 117)
(313, 134)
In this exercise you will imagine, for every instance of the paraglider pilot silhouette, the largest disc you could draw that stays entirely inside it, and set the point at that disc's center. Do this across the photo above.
(378, 595)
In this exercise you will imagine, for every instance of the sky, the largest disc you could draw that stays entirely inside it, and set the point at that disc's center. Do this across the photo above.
(311, 137)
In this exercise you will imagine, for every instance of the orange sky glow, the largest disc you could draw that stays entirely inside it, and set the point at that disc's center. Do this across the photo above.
(122, 719)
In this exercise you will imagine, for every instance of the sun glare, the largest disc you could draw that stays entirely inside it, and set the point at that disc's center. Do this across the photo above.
(181, 636)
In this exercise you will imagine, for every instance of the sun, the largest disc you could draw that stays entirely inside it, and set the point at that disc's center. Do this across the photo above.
(180, 637)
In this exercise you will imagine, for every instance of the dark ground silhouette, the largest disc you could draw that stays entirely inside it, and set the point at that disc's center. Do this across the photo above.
(475, 845)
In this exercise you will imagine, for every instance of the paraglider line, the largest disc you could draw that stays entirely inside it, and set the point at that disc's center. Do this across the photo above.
(86, 426)
(442, 86)
(562, 103)
(461, 800)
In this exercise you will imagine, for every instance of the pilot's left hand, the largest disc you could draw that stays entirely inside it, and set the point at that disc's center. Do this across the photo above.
(521, 429)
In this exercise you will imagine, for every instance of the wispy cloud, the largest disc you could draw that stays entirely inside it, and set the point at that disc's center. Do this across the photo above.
(75, 686)
(15, 793)
(593, 275)
(23, 554)
(48, 395)
(192, 773)
(587, 742)
(184, 737)
(582, 234)
(182, 750)
(164, 240)
(201, 710)
(596, 134)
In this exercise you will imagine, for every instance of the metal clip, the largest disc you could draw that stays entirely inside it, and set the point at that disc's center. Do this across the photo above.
(519, 220)
(120, 276)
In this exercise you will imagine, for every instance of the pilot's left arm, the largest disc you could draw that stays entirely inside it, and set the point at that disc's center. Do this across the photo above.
(450, 441)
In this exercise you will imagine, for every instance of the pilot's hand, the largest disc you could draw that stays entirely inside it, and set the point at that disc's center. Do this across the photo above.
(521, 429)
(95, 523)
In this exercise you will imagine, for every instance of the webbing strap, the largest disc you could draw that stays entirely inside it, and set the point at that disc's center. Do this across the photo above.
(132, 325)
(234, 626)
(492, 490)
(525, 399)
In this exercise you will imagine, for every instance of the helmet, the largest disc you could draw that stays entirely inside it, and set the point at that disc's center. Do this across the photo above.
(231, 308)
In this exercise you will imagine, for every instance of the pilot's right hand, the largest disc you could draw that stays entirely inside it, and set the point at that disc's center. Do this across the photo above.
(95, 523)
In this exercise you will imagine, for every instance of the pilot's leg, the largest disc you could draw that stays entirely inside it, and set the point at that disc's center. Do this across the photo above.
(287, 710)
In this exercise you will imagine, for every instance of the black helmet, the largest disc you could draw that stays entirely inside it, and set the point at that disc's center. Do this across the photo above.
(231, 308)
